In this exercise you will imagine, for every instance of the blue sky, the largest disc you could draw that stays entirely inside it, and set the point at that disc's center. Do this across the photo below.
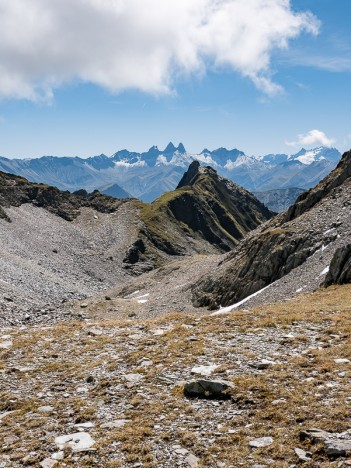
(67, 99)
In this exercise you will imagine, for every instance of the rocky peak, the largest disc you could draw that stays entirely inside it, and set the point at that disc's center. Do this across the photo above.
(190, 176)
(170, 148)
(181, 149)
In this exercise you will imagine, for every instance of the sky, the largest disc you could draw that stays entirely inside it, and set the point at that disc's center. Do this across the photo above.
(85, 77)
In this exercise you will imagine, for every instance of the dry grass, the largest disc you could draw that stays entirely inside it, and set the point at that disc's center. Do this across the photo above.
(305, 388)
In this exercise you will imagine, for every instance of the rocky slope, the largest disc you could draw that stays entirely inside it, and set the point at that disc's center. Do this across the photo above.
(279, 200)
(300, 242)
(16, 191)
(56, 246)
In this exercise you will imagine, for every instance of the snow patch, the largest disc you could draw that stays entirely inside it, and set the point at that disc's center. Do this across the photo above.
(225, 310)
(125, 163)
(325, 271)
(142, 297)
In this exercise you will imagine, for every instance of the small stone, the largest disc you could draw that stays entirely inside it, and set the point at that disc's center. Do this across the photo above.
(158, 332)
(118, 423)
(133, 378)
(192, 461)
(181, 451)
(303, 455)
(86, 425)
(94, 332)
(46, 409)
(262, 442)
(48, 463)
(341, 361)
(204, 370)
(314, 435)
(6, 344)
(78, 442)
(146, 363)
(279, 402)
(264, 364)
(58, 455)
(83, 305)
(107, 298)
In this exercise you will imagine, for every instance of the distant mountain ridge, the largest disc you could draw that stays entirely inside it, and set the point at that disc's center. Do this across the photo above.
(148, 174)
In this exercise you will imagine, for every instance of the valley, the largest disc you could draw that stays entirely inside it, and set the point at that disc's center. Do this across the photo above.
(175, 234)
(111, 308)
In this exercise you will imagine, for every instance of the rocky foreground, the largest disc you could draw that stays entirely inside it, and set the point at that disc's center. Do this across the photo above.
(111, 394)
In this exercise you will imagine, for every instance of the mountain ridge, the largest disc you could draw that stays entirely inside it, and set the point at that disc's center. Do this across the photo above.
(148, 174)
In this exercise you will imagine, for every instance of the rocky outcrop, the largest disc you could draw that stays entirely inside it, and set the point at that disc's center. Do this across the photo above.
(16, 191)
(309, 199)
(285, 243)
(340, 267)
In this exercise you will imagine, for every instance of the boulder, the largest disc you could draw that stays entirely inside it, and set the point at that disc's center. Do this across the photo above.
(212, 390)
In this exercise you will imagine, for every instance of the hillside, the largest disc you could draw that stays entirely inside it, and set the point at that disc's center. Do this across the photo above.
(293, 251)
(204, 207)
(57, 246)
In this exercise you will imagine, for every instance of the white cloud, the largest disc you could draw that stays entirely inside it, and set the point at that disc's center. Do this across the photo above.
(140, 44)
(312, 138)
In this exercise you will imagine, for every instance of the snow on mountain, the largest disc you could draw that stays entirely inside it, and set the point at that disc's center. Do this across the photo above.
(147, 175)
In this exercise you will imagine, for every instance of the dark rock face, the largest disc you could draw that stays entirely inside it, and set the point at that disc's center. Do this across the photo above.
(340, 267)
(278, 247)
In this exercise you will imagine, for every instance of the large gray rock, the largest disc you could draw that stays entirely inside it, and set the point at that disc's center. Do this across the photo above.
(337, 448)
(340, 267)
(335, 445)
(212, 390)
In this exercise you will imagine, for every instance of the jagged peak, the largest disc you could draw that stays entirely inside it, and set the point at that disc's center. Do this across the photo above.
(181, 148)
(152, 149)
(170, 148)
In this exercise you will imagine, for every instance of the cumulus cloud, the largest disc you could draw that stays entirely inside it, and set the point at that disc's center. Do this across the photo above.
(312, 138)
(140, 44)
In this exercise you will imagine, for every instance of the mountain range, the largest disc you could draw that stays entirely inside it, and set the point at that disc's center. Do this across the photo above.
(148, 174)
